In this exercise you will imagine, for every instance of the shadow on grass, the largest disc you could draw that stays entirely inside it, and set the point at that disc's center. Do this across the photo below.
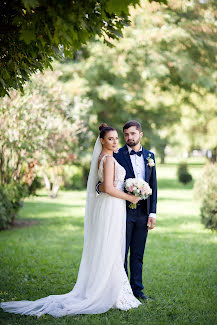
(174, 164)
(50, 206)
(41, 195)
(181, 267)
(173, 184)
(173, 199)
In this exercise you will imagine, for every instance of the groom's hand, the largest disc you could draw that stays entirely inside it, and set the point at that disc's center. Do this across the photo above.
(151, 223)
(101, 187)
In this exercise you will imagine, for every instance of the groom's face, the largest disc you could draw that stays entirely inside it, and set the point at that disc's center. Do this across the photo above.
(132, 136)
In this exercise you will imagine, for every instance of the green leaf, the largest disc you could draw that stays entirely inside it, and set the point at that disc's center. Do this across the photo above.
(27, 36)
(118, 6)
(30, 3)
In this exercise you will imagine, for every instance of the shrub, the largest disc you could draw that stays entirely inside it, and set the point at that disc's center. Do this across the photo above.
(183, 175)
(75, 182)
(208, 209)
(207, 177)
(205, 189)
(36, 184)
(10, 202)
(73, 178)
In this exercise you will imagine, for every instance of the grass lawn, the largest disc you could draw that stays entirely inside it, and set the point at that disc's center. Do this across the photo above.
(179, 268)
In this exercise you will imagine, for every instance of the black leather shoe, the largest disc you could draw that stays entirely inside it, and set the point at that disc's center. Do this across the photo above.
(144, 297)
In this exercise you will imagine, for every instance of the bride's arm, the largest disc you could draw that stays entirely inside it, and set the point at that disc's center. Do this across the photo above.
(101, 187)
(108, 170)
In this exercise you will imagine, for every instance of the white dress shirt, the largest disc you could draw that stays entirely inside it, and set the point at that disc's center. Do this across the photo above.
(139, 169)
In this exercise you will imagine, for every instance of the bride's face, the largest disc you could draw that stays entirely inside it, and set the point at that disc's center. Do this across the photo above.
(110, 141)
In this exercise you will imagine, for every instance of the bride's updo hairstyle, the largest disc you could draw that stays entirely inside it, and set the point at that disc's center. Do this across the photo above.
(103, 129)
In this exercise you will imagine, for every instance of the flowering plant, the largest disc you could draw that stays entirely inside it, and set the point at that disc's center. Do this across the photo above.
(139, 188)
(151, 162)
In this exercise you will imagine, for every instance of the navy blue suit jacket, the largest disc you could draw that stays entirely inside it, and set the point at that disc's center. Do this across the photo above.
(124, 160)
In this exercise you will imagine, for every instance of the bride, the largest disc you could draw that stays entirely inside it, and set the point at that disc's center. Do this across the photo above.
(102, 282)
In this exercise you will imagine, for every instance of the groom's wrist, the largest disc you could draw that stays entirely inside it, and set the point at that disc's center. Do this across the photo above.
(152, 215)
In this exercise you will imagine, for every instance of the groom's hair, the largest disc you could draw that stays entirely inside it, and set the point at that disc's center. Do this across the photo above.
(132, 123)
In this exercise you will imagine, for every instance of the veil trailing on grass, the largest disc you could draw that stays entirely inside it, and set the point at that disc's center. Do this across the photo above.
(101, 282)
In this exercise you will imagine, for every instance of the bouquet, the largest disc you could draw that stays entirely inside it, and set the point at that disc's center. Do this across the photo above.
(139, 188)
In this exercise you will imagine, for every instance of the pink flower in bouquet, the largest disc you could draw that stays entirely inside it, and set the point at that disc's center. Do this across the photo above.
(139, 187)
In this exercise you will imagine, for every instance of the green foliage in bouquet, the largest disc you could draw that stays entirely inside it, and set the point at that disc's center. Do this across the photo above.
(10, 202)
(183, 175)
(206, 190)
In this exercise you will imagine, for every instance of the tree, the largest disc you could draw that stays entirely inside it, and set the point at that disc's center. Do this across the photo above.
(37, 129)
(196, 129)
(33, 32)
(151, 73)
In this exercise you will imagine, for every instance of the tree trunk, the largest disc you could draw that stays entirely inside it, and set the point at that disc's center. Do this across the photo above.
(2, 165)
(85, 173)
(47, 182)
(162, 159)
(56, 185)
(214, 155)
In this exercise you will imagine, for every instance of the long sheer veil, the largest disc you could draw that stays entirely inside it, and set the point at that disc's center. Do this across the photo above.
(91, 190)
(102, 282)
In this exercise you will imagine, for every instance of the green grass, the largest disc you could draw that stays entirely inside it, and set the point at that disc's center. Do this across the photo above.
(179, 261)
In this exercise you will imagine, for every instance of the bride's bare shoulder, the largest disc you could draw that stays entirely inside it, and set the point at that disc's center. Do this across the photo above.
(106, 158)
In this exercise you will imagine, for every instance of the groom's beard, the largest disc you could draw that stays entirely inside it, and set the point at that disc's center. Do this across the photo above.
(132, 143)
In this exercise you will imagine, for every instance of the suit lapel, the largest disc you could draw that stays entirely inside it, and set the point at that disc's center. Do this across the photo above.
(128, 160)
(145, 156)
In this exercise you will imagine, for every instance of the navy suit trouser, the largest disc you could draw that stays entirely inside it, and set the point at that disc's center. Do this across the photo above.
(136, 235)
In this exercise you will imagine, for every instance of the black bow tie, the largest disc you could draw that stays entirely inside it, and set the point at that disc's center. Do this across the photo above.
(138, 153)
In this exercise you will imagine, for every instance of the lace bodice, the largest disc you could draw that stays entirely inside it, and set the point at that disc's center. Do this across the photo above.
(119, 173)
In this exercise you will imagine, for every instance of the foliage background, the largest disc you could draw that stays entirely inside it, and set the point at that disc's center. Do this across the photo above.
(33, 32)
(162, 72)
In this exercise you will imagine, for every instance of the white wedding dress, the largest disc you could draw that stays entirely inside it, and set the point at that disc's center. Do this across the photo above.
(102, 282)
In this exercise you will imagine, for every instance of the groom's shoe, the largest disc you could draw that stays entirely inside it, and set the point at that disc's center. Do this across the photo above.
(142, 296)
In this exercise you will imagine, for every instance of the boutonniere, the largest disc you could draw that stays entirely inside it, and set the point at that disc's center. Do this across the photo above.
(150, 161)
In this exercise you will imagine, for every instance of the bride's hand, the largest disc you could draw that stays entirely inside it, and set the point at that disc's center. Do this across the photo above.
(133, 198)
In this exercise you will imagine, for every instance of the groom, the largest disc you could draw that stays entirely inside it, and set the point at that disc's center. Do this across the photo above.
(138, 163)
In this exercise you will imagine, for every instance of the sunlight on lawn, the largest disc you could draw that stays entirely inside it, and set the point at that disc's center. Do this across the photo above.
(178, 269)
(66, 204)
